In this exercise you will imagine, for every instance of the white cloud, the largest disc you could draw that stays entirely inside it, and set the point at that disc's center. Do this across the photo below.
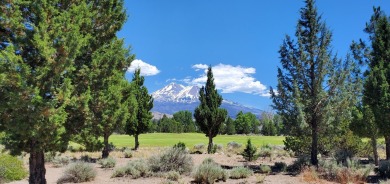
(146, 69)
(198, 67)
(230, 79)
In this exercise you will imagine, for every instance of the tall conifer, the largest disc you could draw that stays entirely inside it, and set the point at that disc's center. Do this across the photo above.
(208, 115)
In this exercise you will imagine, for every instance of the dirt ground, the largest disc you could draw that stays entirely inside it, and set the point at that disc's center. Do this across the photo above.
(104, 175)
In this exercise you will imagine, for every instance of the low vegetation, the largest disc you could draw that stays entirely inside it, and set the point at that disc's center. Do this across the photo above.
(240, 172)
(107, 162)
(78, 172)
(174, 159)
(11, 168)
(135, 169)
(209, 172)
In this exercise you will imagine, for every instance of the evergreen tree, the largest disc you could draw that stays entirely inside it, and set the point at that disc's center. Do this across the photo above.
(309, 81)
(108, 18)
(209, 117)
(141, 123)
(230, 127)
(108, 111)
(39, 43)
(377, 84)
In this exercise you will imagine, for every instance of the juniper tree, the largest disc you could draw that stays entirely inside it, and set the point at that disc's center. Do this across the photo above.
(208, 116)
(39, 41)
(142, 121)
(310, 82)
(376, 94)
(107, 107)
(108, 18)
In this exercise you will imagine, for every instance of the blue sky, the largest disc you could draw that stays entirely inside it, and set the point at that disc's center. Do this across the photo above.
(175, 40)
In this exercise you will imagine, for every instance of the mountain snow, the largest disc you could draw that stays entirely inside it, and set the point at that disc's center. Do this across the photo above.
(177, 93)
(176, 97)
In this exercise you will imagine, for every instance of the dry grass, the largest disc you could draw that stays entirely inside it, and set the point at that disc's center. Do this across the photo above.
(309, 174)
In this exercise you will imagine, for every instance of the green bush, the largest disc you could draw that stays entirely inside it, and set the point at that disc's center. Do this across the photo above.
(209, 172)
(135, 169)
(127, 153)
(249, 152)
(265, 169)
(11, 168)
(240, 172)
(107, 162)
(174, 159)
(180, 145)
(78, 172)
(279, 167)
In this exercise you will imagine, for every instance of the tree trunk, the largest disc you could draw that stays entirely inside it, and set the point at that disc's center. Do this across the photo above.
(106, 149)
(314, 144)
(37, 167)
(375, 151)
(210, 146)
(387, 141)
(136, 145)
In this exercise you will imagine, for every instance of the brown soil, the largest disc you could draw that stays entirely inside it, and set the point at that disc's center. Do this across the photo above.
(228, 160)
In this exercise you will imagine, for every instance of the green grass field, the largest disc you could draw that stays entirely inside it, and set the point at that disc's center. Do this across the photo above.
(190, 139)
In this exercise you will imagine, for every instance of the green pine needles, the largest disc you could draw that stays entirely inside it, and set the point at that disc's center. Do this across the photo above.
(249, 152)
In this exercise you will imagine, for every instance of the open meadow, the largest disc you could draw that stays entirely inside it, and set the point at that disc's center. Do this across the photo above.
(191, 139)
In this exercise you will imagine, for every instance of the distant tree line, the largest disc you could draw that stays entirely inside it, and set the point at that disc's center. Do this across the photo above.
(245, 123)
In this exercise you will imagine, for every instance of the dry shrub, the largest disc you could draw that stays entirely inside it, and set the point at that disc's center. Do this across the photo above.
(78, 172)
(209, 172)
(240, 172)
(135, 169)
(174, 159)
(310, 175)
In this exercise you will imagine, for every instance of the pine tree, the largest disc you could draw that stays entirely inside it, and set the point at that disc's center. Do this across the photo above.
(377, 84)
(249, 152)
(141, 123)
(39, 43)
(209, 117)
(309, 81)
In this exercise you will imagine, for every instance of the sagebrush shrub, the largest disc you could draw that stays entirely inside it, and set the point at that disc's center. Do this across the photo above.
(11, 168)
(265, 169)
(352, 172)
(172, 175)
(127, 153)
(240, 172)
(234, 145)
(107, 162)
(209, 172)
(60, 161)
(174, 159)
(78, 172)
(135, 169)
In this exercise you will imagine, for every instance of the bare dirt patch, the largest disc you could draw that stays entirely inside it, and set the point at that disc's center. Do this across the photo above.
(224, 159)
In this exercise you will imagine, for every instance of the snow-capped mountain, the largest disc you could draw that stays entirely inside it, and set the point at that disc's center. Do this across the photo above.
(177, 93)
(176, 97)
